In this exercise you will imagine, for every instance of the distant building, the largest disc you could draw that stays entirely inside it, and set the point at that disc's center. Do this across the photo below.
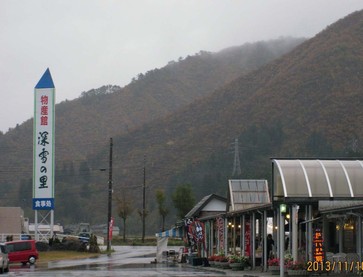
(57, 228)
(115, 231)
(209, 206)
(12, 220)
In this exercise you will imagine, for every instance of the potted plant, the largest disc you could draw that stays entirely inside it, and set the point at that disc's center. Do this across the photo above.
(212, 259)
(296, 268)
(237, 262)
(218, 258)
(244, 260)
(274, 265)
(273, 262)
(223, 262)
(233, 259)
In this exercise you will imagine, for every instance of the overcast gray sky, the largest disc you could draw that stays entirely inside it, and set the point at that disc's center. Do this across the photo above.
(90, 43)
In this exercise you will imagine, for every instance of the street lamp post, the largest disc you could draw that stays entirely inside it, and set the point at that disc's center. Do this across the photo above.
(143, 203)
(109, 214)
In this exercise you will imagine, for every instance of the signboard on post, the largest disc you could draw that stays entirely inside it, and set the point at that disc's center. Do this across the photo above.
(247, 239)
(221, 233)
(318, 250)
(43, 144)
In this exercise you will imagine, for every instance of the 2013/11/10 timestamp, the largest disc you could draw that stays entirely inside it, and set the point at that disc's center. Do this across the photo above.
(336, 266)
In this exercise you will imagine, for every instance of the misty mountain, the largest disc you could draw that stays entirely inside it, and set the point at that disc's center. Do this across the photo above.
(183, 118)
(84, 125)
(305, 104)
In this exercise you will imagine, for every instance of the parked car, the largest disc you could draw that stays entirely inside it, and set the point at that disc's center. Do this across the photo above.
(4, 259)
(23, 251)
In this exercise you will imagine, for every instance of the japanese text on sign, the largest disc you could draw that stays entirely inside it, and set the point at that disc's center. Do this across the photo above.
(318, 251)
(43, 187)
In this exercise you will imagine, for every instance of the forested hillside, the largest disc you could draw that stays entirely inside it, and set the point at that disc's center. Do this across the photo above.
(177, 124)
(304, 104)
(84, 125)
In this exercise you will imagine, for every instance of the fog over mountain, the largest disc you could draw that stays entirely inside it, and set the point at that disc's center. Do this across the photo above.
(285, 97)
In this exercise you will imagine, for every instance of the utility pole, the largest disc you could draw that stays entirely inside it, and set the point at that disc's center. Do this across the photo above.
(109, 216)
(236, 163)
(143, 203)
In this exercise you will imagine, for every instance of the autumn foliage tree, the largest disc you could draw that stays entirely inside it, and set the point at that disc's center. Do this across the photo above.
(124, 209)
(183, 199)
(163, 210)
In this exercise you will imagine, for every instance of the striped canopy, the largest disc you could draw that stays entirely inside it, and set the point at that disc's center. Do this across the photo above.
(176, 232)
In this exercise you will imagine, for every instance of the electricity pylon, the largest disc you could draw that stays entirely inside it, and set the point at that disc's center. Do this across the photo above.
(236, 163)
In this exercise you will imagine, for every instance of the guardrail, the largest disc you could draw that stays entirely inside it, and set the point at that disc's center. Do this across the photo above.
(15, 236)
(3, 237)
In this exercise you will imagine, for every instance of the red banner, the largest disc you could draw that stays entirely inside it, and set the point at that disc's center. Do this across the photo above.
(196, 229)
(318, 251)
(110, 229)
(220, 226)
(247, 239)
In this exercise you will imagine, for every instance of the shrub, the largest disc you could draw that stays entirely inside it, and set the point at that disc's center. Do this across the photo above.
(238, 259)
(295, 265)
(223, 259)
(273, 262)
(212, 258)
(42, 246)
(219, 257)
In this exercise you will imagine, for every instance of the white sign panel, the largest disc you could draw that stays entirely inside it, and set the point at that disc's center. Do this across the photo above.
(43, 164)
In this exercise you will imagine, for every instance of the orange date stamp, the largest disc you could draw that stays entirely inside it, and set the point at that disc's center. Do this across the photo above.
(334, 266)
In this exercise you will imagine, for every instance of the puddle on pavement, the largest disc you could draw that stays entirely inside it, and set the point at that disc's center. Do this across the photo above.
(118, 266)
